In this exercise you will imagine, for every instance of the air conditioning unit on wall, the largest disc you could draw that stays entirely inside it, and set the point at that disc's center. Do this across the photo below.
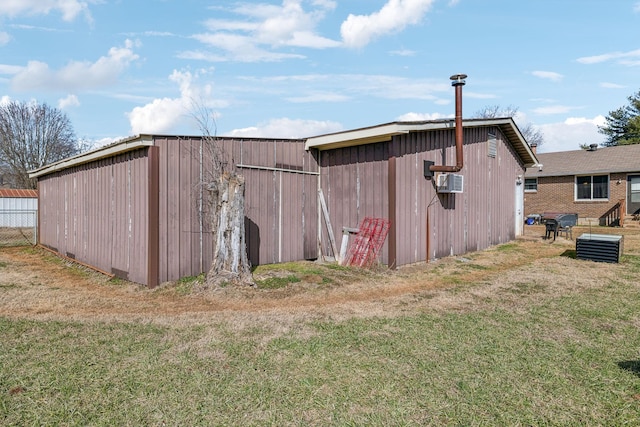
(449, 183)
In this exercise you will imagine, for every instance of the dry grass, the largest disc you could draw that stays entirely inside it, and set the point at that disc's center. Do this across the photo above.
(519, 334)
(36, 285)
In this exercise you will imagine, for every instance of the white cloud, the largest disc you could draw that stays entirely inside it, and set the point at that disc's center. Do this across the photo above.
(553, 109)
(403, 52)
(10, 69)
(264, 29)
(626, 58)
(350, 85)
(608, 85)
(165, 114)
(239, 48)
(288, 128)
(477, 95)
(76, 75)
(636, 7)
(326, 4)
(319, 97)
(548, 75)
(67, 102)
(395, 15)
(69, 9)
(571, 133)
(4, 38)
(419, 117)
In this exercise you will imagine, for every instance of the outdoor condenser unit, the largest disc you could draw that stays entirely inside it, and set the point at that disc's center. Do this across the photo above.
(449, 183)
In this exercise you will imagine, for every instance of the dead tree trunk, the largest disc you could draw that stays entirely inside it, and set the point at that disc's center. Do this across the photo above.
(230, 262)
(225, 206)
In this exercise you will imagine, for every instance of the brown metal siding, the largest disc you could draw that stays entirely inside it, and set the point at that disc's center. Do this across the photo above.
(281, 215)
(484, 214)
(97, 214)
(100, 212)
(355, 185)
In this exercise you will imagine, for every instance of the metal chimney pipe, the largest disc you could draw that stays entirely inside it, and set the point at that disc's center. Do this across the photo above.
(457, 81)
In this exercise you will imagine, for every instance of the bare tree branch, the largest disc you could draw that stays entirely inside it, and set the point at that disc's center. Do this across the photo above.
(225, 206)
(31, 136)
(532, 134)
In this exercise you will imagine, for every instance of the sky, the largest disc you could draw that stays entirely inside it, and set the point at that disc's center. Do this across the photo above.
(301, 68)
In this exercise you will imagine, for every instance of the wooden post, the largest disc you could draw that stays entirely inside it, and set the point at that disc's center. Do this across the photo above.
(325, 213)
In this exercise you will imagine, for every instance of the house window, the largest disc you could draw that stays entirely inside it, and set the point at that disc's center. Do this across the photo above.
(531, 185)
(595, 187)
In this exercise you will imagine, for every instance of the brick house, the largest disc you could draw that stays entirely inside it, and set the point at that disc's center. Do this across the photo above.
(601, 185)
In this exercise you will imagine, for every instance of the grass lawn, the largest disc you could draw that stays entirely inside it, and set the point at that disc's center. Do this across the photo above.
(561, 358)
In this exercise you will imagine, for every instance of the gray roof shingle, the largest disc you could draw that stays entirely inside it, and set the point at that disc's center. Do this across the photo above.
(623, 158)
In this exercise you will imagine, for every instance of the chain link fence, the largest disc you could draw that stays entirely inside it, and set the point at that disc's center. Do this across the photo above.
(18, 228)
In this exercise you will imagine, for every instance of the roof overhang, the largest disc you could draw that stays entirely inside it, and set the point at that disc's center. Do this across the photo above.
(386, 132)
(119, 147)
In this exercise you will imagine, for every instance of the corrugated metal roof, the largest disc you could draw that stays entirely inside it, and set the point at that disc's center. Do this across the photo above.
(18, 193)
(119, 147)
(623, 158)
(385, 132)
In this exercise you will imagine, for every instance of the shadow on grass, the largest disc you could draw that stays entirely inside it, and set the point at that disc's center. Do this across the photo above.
(632, 366)
(569, 253)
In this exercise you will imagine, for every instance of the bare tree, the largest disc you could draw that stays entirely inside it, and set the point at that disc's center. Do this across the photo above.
(33, 135)
(532, 134)
(225, 207)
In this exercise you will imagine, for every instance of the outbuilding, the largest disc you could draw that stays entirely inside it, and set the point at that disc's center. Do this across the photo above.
(391, 171)
(138, 208)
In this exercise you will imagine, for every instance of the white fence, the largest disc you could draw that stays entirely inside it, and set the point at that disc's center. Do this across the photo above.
(18, 227)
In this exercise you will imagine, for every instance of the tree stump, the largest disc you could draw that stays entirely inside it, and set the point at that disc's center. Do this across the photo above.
(230, 263)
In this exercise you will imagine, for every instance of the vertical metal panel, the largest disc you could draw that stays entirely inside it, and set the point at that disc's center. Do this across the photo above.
(96, 213)
(482, 216)
(120, 212)
(276, 202)
(355, 183)
(99, 212)
(139, 214)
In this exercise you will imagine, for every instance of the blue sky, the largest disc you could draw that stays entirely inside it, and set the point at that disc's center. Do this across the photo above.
(298, 68)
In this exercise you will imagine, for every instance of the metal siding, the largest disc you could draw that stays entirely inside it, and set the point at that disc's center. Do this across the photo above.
(18, 204)
(197, 199)
(354, 182)
(252, 212)
(120, 213)
(481, 216)
(186, 205)
(138, 243)
(98, 212)
(87, 214)
(173, 211)
(276, 203)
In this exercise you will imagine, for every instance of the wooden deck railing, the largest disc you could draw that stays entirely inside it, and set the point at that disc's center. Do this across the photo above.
(614, 217)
